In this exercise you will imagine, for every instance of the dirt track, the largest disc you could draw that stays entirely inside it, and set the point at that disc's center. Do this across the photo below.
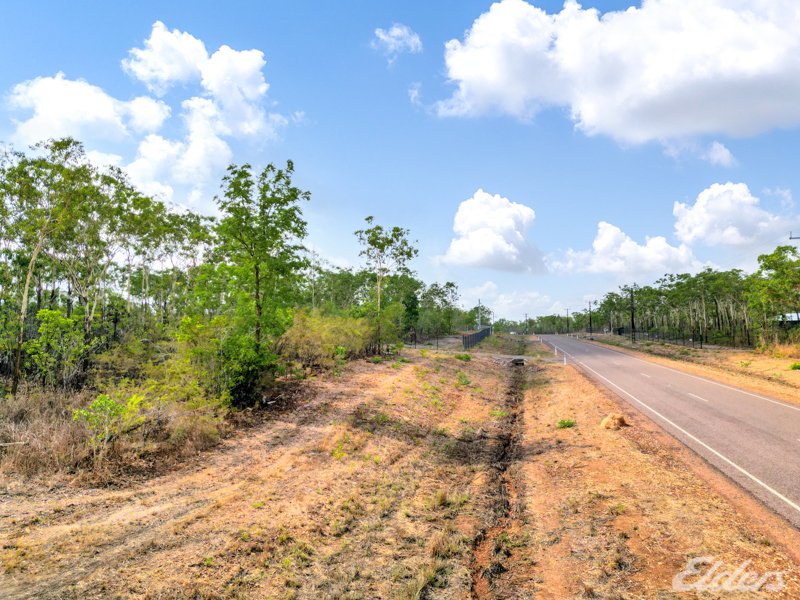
(432, 478)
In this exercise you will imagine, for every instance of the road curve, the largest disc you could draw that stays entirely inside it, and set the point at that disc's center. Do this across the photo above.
(753, 439)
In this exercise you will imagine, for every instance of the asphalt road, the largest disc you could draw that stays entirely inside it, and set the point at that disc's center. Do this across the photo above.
(753, 439)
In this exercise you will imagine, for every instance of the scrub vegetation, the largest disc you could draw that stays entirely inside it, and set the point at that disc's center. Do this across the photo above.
(131, 331)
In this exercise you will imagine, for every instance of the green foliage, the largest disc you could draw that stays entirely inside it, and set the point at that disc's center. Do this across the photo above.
(222, 359)
(794, 366)
(566, 423)
(260, 233)
(464, 357)
(323, 341)
(387, 251)
(57, 353)
(106, 418)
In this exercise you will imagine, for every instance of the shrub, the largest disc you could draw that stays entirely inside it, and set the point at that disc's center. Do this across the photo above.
(57, 353)
(106, 419)
(566, 423)
(316, 340)
(794, 366)
(464, 357)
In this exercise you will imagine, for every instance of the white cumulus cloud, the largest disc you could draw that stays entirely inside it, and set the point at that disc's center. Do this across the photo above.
(718, 154)
(727, 214)
(147, 114)
(510, 304)
(613, 251)
(491, 232)
(669, 69)
(225, 101)
(168, 57)
(63, 107)
(396, 40)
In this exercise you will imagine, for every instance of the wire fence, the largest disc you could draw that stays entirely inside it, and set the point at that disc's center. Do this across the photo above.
(683, 338)
(470, 339)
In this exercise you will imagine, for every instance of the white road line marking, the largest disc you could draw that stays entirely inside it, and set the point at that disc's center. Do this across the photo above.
(744, 472)
(735, 389)
(696, 396)
(645, 375)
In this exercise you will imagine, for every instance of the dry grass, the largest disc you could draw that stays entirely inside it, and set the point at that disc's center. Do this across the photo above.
(364, 490)
(39, 433)
(384, 483)
(782, 350)
(41, 439)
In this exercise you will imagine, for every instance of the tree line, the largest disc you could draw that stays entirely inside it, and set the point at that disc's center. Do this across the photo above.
(716, 307)
(118, 305)
(88, 262)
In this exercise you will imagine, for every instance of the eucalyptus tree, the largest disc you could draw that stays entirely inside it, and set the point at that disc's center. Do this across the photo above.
(775, 288)
(386, 252)
(438, 307)
(42, 194)
(93, 237)
(260, 232)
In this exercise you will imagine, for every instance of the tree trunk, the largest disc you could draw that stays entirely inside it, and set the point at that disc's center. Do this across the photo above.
(257, 298)
(128, 286)
(23, 311)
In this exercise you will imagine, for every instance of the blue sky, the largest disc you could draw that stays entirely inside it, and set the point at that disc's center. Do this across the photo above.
(541, 153)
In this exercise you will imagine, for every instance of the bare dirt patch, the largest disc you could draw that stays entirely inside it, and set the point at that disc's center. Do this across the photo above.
(617, 513)
(434, 475)
(375, 486)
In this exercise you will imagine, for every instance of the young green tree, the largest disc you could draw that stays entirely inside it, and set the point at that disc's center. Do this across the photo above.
(387, 251)
(261, 229)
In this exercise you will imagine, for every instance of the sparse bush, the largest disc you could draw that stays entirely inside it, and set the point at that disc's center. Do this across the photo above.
(464, 357)
(566, 423)
(107, 418)
(794, 366)
(617, 509)
(56, 355)
(319, 341)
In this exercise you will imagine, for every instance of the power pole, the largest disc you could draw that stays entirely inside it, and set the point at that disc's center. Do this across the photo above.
(633, 322)
(590, 320)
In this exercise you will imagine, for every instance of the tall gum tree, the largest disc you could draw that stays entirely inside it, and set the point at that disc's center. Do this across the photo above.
(386, 251)
(260, 230)
(41, 193)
